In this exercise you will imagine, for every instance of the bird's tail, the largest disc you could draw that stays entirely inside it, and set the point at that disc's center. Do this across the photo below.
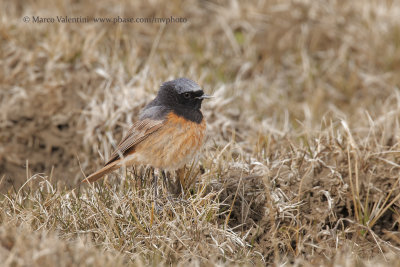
(100, 173)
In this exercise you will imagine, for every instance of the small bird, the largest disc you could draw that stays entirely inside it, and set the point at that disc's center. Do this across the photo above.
(168, 134)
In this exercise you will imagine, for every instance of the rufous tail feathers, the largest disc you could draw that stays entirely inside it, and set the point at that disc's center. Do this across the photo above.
(100, 173)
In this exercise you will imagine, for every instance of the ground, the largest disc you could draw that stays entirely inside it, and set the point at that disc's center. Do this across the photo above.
(301, 161)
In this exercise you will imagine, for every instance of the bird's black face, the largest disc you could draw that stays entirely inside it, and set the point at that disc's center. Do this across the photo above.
(191, 100)
(181, 96)
(181, 93)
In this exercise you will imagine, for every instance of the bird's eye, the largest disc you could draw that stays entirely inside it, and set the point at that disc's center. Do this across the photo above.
(186, 95)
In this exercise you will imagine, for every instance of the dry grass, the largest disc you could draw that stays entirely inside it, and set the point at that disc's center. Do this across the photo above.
(302, 161)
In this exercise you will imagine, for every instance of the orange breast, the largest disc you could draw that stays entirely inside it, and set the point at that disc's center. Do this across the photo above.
(171, 147)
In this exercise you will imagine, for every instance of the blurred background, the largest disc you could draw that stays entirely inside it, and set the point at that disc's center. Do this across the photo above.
(69, 90)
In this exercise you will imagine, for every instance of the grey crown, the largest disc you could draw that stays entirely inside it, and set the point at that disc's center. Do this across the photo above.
(183, 85)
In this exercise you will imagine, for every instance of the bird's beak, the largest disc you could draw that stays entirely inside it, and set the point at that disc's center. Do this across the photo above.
(204, 97)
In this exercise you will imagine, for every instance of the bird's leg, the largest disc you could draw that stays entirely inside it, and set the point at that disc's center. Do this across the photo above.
(165, 180)
(181, 185)
(157, 207)
(167, 184)
(155, 179)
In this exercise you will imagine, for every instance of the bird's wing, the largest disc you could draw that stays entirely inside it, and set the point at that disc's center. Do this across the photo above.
(139, 131)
